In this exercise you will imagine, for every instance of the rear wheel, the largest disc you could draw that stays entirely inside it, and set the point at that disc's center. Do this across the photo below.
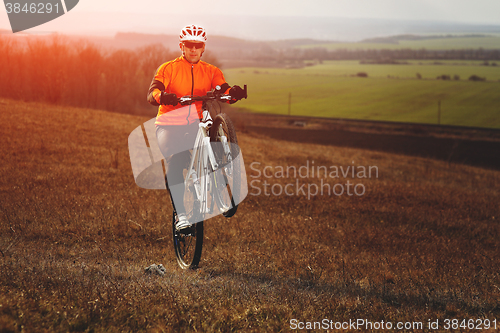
(188, 245)
(188, 242)
(227, 178)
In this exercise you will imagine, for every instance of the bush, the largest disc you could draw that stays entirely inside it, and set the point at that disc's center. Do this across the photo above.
(443, 77)
(476, 78)
(362, 74)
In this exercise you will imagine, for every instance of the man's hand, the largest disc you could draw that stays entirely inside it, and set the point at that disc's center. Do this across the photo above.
(236, 93)
(168, 99)
(219, 90)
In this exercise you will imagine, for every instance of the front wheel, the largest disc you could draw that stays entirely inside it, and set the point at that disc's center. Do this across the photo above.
(227, 178)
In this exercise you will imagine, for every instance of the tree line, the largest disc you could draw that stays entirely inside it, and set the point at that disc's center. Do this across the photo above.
(64, 72)
(295, 55)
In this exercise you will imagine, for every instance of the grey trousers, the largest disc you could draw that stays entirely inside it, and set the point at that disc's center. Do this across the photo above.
(175, 143)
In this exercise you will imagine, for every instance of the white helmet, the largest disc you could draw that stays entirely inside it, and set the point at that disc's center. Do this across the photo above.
(193, 32)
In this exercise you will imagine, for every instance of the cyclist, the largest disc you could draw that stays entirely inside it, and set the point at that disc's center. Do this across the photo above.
(177, 125)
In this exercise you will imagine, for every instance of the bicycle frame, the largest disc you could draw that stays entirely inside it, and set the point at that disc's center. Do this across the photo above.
(202, 163)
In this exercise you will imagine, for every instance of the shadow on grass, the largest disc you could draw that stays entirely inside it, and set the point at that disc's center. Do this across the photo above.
(347, 290)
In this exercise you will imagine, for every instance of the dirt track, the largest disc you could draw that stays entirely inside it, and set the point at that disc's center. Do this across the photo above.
(471, 146)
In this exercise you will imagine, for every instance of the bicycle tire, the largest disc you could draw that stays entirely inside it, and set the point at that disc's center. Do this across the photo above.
(188, 244)
(226, 179)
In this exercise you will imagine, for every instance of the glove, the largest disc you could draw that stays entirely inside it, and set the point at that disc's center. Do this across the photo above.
(168, 99)
(236, 93)
(219, 90)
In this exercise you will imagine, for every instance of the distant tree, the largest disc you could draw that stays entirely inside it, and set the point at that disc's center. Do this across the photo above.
(419, 76)
(152, 56)
(362, 74)
(443, 77)
(476, 78)
(456, 77)
(92, 66)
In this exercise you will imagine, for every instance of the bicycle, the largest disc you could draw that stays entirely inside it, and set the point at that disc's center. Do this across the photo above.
(213, 179)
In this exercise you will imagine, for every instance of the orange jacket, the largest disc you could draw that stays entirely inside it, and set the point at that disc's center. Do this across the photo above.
(182, 78)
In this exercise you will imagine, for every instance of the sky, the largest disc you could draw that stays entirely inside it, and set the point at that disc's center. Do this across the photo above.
(477, 11)
(238, 18)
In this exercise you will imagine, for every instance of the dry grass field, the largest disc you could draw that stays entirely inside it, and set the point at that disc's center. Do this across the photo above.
(422, 242)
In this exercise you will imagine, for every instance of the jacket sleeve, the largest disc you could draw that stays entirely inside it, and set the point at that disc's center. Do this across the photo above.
(158, 85)
(218, 78)
(154, 92)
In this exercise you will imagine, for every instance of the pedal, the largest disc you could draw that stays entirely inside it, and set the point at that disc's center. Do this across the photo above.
(187, 231)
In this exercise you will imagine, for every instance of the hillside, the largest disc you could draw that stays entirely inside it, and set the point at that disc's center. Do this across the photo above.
(421, 243)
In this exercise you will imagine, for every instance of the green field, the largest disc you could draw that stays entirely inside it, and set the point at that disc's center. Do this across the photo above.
(390, 92)
(427, 69)
(455, 43)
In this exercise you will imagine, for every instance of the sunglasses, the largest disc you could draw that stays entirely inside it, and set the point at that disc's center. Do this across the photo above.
(190, 45)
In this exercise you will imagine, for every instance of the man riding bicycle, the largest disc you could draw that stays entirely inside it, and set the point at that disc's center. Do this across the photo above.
(177, 125)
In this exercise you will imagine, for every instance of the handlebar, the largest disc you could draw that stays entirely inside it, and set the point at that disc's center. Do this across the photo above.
(213, 95)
